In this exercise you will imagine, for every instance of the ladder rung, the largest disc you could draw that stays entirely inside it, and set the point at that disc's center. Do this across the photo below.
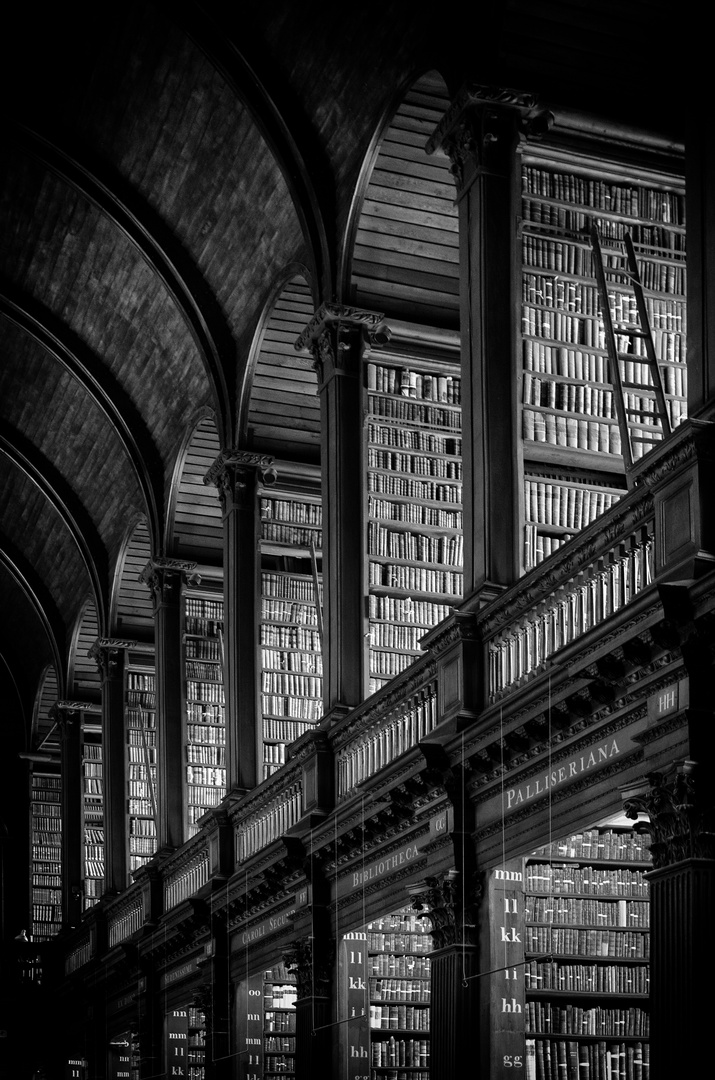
(629, 333)
(645, 439)
(647, 391)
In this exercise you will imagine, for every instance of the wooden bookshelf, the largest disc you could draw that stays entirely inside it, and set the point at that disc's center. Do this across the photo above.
(586, 947)
(413, 508)
(196, 1056)
(279, 1022)
(398, 979)
(93, 816)
(205, 732)
(140, 725)
(571, 441)
(291, 648)
(46, 851)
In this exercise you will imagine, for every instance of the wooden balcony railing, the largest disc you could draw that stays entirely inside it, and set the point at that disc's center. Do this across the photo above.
(279, 806)
(125, 917)
(388, 725)
(185, 879)
(597, 574)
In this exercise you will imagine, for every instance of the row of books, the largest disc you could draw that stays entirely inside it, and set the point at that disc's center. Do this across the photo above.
(279, 995)
(211, 692)
(205, 774)
(279, 1021)
(204, 670)
(289, 612)
(200, 713)
(413, 438)
(204, 796)
(142, 826)
(419, 547)
(416, 579)
(412, 1053)
(138, 736)
(621, 845)
(571, 941)
(402, 965)
(545, 1016)
(94, 870)
(46, 808)
(416, 384)
(274, 753)
(141, 753)
(423, 613)
(617, 197)
(448, 468)
(569, 505)
(307, 661)
(663, 276)
(295, 535)
(196, 607)
(279, 1044)
(414, 513)
(587, 978)
(560, 878)
(291, 683)
(299, 708)
(389, 663)
(137, 680)
(93, 785)
(559, 1059)
(408, 488)
(283, 730)
(297, 511)
(203, 627)
(399, 942)
(201, 753)
(574, 909)
(197, 648)
(291, 637)
(544, 426)
(408, 411)
(648, 238)
(391, 636)
(287, 586)
(280, 1064)
(417, 989)
(45, 855)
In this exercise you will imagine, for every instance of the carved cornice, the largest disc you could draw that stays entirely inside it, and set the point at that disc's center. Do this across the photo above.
(235, 474)
(681, 811)
(416, 678)
(694, 439)
(332, 314)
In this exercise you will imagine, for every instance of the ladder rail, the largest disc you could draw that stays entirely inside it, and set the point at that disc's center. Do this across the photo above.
(648, 336)
(612, 350)
(631, 415)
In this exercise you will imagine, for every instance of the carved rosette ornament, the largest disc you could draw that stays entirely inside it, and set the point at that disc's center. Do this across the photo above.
(335, 336)
(312, 963)
(451, 907)
(681, 809)
(107, 653)
(235, 474)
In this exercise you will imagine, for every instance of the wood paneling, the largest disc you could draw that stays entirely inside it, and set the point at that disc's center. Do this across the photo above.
(197, 526)
(133, 602)
(405, 256)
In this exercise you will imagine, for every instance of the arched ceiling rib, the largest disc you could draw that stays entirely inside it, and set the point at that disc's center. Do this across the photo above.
(132, 606)
(111, 194)
(120, 411)
(68, 507)
(37, 626)
(83, 679)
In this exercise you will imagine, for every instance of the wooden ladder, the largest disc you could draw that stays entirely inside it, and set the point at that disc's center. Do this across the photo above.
(638, 393)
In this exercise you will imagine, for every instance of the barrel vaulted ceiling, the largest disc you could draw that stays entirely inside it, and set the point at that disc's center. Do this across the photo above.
(180, 186)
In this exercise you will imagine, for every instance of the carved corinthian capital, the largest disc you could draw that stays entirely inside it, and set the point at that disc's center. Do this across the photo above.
(681, 810)
(451, 909)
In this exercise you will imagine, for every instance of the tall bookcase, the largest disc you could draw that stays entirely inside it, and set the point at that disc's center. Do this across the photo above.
(93, 814)
(279, 1022)
(291, 647)
(196, 1058)
(586, 947)
(46, 847)
(398, 981)
(572, 464)
(124, 1056)
(413, 508)
(205, 736)
(140, 726)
